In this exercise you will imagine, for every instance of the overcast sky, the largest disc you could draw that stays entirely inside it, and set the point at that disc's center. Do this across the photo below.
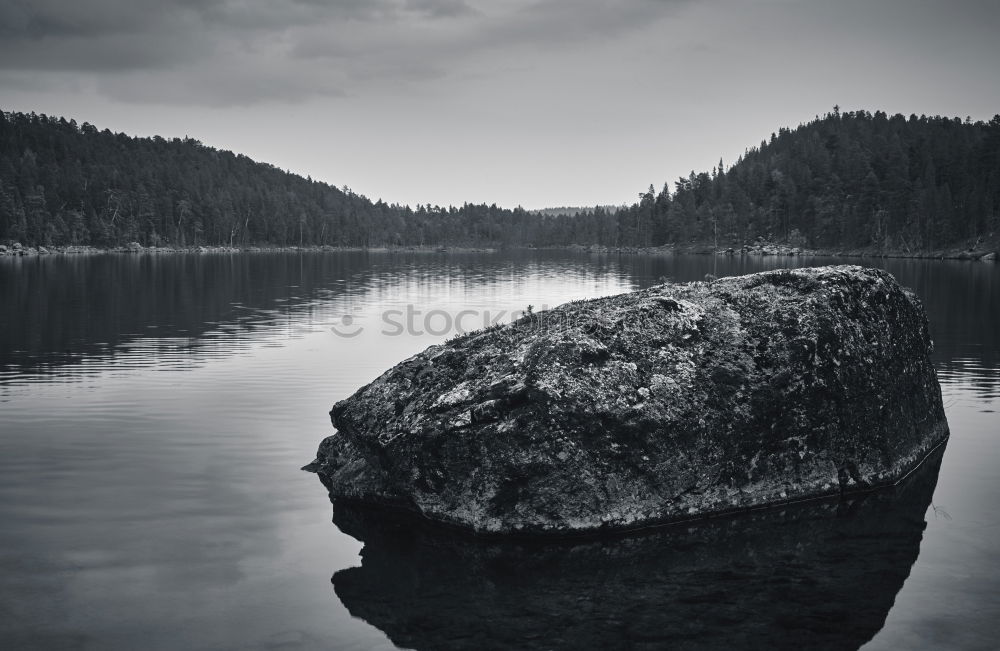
(519, 102)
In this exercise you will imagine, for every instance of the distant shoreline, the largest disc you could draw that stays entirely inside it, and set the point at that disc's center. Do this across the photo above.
(135, 248)
(983, 252)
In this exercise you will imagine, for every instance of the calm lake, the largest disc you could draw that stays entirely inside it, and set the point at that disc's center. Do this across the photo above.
(155, 412)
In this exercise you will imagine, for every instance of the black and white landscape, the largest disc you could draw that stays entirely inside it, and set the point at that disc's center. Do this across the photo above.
(660, 324)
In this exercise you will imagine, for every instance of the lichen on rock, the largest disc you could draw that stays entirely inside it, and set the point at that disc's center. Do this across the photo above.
(664, 404)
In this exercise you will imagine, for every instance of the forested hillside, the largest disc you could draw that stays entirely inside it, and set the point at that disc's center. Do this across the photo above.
(844, 180)
(64, 183)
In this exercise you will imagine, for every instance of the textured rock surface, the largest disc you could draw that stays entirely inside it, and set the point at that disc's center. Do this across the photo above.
(674, 402)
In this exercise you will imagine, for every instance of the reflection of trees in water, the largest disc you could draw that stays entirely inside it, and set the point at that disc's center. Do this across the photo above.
(65, 311)
(817, 576)
(68, 310)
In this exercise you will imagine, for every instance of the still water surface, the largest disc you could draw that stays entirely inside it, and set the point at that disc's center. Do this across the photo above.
(155, 412)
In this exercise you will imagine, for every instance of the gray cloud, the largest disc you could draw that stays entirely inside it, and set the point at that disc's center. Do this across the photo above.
(440, 8)
(222, 52)
(43, 19)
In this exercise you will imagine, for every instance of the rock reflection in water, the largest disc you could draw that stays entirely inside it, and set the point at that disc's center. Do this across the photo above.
(820, 576)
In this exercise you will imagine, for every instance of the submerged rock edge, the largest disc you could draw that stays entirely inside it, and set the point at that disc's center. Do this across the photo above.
(714, 398)
(850, 555)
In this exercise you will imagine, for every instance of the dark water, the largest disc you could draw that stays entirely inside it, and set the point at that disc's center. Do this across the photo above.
(154, 413)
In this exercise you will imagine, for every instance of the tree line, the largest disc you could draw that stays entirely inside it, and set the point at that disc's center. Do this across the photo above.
(843, 180)
(852, 179)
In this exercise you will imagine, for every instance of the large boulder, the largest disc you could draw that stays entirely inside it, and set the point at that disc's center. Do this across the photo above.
(671, 403)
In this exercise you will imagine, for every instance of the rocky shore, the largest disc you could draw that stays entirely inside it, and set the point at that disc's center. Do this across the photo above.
(667, 404)
(983, 252)
(16, 249)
